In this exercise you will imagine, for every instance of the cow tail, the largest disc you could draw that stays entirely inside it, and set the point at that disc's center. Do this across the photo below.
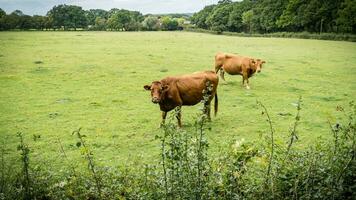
(216, 104)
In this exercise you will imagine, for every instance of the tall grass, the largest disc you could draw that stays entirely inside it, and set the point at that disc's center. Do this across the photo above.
(90, 159)
(272, 169)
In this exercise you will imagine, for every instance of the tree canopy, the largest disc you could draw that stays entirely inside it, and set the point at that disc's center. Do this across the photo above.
(71, 17)
(151, 23)
(252, 16)
(67, 16)
(265, 16)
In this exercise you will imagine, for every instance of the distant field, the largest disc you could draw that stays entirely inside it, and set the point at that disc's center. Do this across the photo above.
(52, 83)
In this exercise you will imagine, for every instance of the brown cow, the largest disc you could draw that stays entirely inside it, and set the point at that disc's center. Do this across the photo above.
(236, 64)
(185, 90)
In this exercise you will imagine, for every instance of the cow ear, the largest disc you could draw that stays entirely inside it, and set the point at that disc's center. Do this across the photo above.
(253, 61)
(165, 87)
(147, 87)
(263, 62)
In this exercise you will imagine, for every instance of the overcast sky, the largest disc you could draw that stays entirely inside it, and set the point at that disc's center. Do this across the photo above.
(40, 7)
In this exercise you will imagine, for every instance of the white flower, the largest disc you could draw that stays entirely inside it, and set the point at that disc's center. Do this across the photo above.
(237, 144)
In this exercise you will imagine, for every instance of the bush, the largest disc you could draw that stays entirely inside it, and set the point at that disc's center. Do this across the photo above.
(302, 35)
(272, 169)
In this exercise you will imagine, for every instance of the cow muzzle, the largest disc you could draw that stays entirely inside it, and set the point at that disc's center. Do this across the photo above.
(155, 100)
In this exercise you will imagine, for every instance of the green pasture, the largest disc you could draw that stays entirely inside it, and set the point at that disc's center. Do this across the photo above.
(52, 83)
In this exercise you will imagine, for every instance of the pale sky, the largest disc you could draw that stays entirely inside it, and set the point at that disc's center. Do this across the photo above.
(40, 7)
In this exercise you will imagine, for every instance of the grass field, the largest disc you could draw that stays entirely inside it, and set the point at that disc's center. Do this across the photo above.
(55, 82)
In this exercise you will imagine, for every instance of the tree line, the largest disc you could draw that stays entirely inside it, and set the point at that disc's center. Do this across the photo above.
(267, 16)
(249, 16)
(71, 17)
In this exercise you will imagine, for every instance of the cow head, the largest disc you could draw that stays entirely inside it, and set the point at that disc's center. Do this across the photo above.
(257, 63)
(157, 89)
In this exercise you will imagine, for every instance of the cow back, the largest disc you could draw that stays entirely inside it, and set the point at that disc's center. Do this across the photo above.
(191, 87)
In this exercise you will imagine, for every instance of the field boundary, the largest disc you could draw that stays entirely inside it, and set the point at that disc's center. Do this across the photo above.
(298, 35)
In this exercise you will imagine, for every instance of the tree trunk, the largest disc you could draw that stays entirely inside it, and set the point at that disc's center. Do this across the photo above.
(321, 26)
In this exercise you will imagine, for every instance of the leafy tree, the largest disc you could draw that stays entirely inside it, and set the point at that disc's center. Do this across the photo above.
(136, 16)
(278, 15)
(26, 22)
(151, 23)
(119, 20)
(67, 16)
(58, 16)
(266, 14)
(235, 18)
(346, 19)
(224, 2)
(77, 17)
(288, 18)
(4, 23)
(124, 20)
(48, 23)
(2, 13)
(93, 14)
(134, 26)
(13, 21)
(40, 22)
(18, 20)
(169, 24)
(181, 23)
(326, 21)
(2, 19)
(219, 18)
(200, 18)
(262, 16)
(247, 19)
(112, 11)
(100, 24)
(18, 13)
(305, 15)
(135, 22)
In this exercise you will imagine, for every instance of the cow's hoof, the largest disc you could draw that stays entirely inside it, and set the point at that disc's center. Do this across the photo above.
(248, 87)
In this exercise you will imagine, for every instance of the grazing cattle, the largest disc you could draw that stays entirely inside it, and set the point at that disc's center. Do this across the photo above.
(185, 90)
(237, 65)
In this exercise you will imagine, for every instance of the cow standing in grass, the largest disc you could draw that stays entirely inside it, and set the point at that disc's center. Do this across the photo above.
(237, 65)
(186, 90)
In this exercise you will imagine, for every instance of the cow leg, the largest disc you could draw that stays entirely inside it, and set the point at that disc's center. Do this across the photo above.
(164, 115)
(179, 116)
(248, 84)
(222, 73)
(217, 67)
(245, 79)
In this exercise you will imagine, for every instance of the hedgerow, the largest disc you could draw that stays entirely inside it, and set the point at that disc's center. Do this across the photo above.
(270, 169)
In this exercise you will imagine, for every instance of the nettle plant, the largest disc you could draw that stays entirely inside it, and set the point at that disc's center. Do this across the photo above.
(184, 157)
(270, 169)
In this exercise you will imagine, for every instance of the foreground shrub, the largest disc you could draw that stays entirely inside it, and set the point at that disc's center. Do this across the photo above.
(272, 169)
